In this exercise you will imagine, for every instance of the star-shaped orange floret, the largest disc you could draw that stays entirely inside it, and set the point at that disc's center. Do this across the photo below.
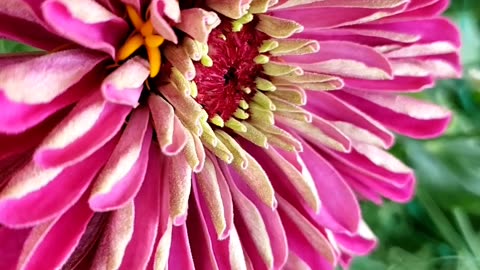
(144, 35)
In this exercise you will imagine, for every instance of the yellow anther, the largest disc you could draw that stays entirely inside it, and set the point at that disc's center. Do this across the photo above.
(154, 41)
(155, 59)
(237, 26)
(134, 17)
(243, 104)
(206, 61)
(240, 114)
(132, 44)
(217, 120)
(235, 125)
(261, 59)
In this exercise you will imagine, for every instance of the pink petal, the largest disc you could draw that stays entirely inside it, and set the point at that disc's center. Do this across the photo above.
(17, 198)
(125, 84)
(182, 259)
(49, 245)
(16, 15)
(340, 211)
(86, 23)
(346, 59)
(198, 23)
(91, 124)
(12, 244)
(147, 214)
(332, 108)
(405, 115)
(115, 239)
(305, 240)
(121, 178)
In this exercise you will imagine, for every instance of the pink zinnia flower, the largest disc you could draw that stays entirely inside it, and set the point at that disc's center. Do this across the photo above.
(248, 148)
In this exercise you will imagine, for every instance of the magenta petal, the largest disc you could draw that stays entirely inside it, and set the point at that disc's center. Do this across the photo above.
(51, 244)
(18, 22)
(318, 255)
(23, 142)
(123, 175)
(12, 244)
(40, 205)
(86, 23)
(147, 211)
(91, 124)
(405, 115)
(340, 210)
(181, 256)
(332, 108)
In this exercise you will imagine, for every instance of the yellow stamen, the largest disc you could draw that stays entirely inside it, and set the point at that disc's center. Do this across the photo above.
(134, 18)
(154, 41)
(147, 29)
(132, 44)
(145, 36)
(155, 59)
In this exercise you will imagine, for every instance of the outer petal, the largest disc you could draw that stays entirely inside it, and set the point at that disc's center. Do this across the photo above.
(405, 115)
(19, 22)
(123, 175)
(12, 243)
(91, 124)
(147, 214)
(32, 186)
(49, 245)
(87, 23)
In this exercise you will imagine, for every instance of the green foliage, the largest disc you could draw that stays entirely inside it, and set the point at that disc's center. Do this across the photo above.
(440, 228)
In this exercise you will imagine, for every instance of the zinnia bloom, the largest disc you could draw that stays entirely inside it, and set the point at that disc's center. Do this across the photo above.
(210, 134)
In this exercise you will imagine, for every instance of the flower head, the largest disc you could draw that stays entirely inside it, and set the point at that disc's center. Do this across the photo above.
(210, 134)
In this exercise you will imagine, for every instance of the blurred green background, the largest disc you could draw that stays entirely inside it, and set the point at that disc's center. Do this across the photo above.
(440, 228)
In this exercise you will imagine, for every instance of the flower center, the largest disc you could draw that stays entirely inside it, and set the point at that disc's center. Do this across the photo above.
(143, 36)
(227, 86)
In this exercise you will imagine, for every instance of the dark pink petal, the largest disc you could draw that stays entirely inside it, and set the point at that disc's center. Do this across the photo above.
(340, 211)
(332, 108)
(91, 123)
(346, 59)
(86, 23)
(24, 203)
(405, 115)
(334, 17)
(399, 84)
(305, 240)
(181, 258)
(25, 141)
(147, 213)
(18, 22)
(12, 244)
(159, 257)
(121, 178)
(49, 245)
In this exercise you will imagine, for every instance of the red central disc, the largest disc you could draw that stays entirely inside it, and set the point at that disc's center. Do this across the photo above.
(220, 87)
